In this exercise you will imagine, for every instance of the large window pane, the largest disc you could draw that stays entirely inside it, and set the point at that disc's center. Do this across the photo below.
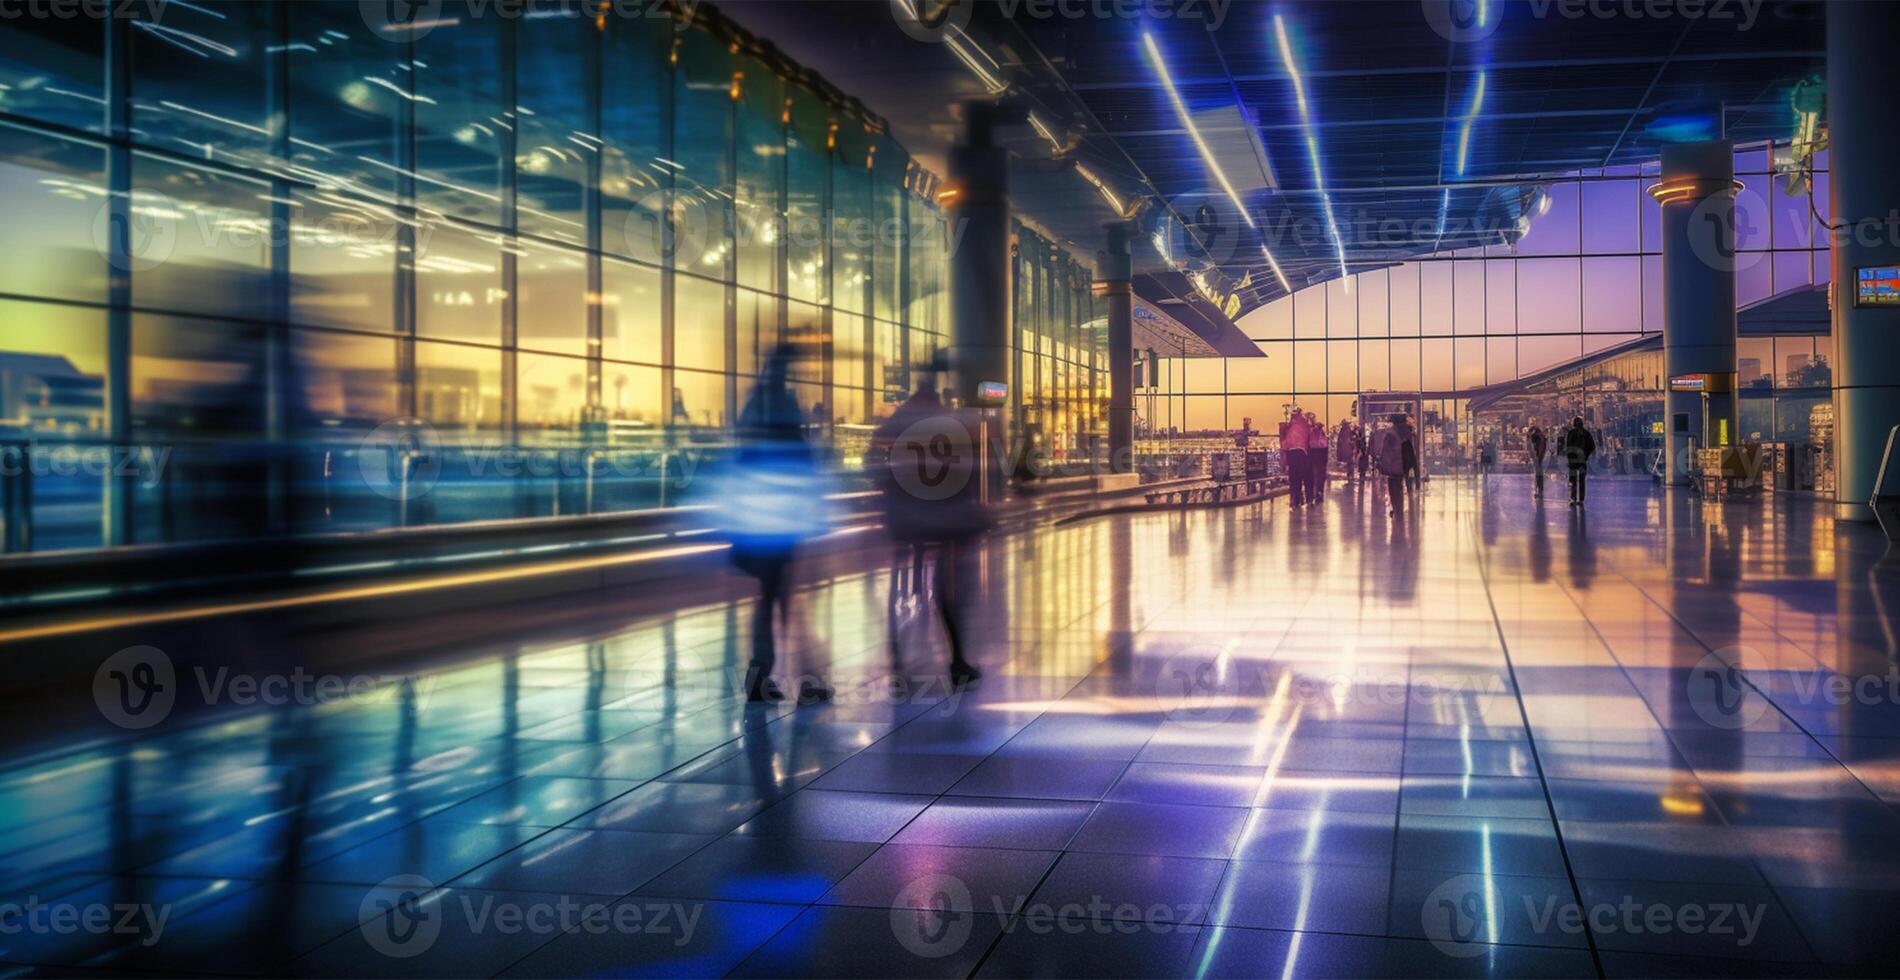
(206, 243)
(198, 78)
(1403, 299)
(51, 68)
(1469, 296)
(1612, 295)
(554, 124)
(699, 324)
(1374, 315)
(57, 188)
(348, 88)
(552, 312)
(1556, 231)
(1435, 302)
(1273, 321)
(1309, 312)
(1309, 366)
(1407, 372)
(458, 387)
(1342, 365)
(1375, 365)
(1342, 309)
(634, 401)
(1610, 217)
(699, 399)
(630, 312)
(342, 263)
(460, 121)
(1547, 296)
(458, 283)
(196, 377)
(52, 369)
(551, 393)
(344, 382)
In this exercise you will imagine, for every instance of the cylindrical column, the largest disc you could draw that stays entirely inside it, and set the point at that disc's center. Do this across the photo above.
(977, 206)
(1112, 284)
(1697, 194)
(1864, 191)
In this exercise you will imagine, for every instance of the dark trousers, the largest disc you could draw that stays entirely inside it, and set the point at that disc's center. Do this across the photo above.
(770, 569)
(1395, 488)
(1316, 461)
(1579, 477)
(1537, 467)
(955, 590)
(1297, 477)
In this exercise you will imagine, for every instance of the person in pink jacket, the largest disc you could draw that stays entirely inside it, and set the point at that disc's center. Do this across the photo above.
(1295, 436)
(1315, 458)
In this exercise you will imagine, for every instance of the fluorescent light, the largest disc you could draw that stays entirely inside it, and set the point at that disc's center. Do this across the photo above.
(1207, 156)
(1312, 141)
(1471, 116)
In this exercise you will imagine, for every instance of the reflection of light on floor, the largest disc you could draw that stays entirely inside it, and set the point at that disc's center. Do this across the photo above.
(1682, 804)
(1490, 892)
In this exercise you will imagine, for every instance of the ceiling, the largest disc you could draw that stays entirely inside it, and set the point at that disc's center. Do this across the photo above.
(1515, 91)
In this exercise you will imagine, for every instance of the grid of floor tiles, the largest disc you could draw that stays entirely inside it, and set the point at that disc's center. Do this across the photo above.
(1507, 739)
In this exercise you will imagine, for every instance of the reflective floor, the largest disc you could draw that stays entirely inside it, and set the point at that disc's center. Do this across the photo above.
(1649, 738)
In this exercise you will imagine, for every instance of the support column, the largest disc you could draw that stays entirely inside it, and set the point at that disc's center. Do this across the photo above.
(1112, 283)
(1864, 190)
(977, 206)
(1697, 194)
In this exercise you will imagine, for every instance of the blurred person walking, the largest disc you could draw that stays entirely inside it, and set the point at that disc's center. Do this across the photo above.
(1576, 447)
(1346, 448)
(938, 482)
(1539, 444)
(772, 501)
(1317, 448)
(1396, 456)
(1295, 435)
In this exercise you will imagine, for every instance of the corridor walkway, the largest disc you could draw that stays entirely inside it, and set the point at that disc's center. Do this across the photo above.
(1649, 738)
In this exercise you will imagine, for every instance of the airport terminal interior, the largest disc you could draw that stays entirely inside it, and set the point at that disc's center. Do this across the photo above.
(949, 488)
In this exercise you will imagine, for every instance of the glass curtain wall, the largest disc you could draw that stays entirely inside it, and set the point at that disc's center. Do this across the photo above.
(1061, 351)
(263, 237)
(1586, 276)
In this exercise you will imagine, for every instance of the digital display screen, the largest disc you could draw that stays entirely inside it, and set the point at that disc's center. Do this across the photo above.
(1877, 286)
(1689, 382)
(992, 392)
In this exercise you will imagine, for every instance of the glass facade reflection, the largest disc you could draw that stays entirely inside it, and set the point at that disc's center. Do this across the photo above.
(258, 225)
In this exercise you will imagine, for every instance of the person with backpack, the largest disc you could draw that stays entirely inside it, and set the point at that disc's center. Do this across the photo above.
(1576, 447)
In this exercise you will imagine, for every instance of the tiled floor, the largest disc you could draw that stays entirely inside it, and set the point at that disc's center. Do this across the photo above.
(1650, 738)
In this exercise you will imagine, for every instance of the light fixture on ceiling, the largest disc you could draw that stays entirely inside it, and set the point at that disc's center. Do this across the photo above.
(1312, 142)
(1213, 165)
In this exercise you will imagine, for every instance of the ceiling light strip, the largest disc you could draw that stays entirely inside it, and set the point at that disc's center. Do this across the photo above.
(1312, 142)
(1207, 156)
